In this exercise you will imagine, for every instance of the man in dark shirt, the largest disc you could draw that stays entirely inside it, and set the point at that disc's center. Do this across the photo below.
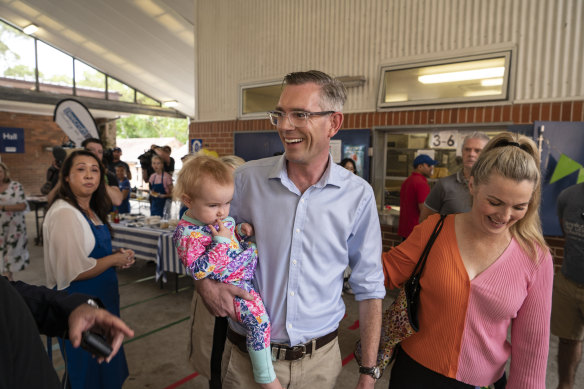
(25, 310)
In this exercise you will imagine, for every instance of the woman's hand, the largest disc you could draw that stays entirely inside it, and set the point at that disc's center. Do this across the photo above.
(124, 258)
(223, 231)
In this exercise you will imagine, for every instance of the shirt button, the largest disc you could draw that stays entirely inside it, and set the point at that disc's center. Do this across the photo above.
(293, 262)
(301, 200)
(298, 230)
(291, 293)
(289, 325)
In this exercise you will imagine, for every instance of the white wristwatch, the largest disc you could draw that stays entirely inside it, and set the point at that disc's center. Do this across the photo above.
(92, 303)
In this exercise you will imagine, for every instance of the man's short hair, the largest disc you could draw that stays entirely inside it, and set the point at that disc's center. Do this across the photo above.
(333, 92)
(476, 135)
(90, 140)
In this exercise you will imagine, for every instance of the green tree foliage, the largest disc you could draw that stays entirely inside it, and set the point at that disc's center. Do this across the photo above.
(20, 71)
(140, 126)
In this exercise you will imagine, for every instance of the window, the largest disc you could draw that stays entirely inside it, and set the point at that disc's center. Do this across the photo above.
(256, 99)
(88, 81)
(55, 70)
(17, 62)
(118, 91)
(478, 78)
(141, 98)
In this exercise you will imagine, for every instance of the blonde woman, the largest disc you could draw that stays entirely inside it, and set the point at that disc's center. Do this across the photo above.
(489, 270)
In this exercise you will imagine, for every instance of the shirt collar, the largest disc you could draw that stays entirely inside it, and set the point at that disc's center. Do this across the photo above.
(330, 176)
(461, 178)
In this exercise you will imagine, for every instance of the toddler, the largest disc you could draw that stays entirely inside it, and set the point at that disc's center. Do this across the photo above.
(210, 245)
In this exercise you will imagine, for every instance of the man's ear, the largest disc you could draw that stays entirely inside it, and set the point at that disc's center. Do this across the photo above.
(336, 121)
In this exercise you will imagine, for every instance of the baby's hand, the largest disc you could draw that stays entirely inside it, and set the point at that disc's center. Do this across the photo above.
(247, 229)
(223, 231)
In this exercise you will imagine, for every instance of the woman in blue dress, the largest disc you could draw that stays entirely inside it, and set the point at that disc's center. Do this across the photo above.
(160, 187)
(79, 258)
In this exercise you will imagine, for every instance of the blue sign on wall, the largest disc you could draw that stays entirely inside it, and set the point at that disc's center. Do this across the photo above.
(11, 140)
(196, 145)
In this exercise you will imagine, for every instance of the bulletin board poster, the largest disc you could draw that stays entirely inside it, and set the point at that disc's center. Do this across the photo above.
(357, 154)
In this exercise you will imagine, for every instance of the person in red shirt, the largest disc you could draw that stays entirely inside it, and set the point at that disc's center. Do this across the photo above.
(413, 194)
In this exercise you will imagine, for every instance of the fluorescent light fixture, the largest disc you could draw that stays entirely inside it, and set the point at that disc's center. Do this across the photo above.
(170, 104)
(492, 82)
(462, 76)
(30, 29)
(484, 92)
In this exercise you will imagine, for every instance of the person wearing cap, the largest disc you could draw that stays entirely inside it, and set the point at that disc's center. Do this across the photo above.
(413, 194)
(116, 161)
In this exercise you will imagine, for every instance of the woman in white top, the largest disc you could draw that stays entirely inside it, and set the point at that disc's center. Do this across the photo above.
(79, 258)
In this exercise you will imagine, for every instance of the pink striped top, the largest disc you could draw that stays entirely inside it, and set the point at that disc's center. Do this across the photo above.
(464, 324)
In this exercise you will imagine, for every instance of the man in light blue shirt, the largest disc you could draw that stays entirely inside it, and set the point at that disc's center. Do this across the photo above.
(312, 218)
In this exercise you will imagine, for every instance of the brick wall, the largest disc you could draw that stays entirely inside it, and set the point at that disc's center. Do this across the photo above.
(218, 136)
(40, 133)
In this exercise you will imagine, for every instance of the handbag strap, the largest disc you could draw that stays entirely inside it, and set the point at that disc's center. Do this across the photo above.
(422, 261)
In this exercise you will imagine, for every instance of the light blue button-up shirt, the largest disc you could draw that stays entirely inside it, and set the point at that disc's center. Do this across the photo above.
(305, 241)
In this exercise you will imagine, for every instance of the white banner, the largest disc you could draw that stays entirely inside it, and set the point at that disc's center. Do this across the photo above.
(75, 120)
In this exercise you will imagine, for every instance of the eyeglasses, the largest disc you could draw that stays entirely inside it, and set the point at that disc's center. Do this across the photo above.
(295, 118)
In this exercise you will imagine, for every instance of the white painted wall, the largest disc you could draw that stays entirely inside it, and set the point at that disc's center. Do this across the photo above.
(242, 41)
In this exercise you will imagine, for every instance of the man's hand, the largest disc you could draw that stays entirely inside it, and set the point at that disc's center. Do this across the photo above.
(86, 317)
(365, 382)
(218, 297)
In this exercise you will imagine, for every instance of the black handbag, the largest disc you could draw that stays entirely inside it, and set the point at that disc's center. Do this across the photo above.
(400, 319)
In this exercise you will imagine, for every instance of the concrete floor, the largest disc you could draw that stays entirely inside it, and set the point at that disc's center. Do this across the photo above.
(159, 317)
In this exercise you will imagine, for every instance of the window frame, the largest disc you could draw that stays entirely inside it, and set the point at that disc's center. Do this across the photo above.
(507, 54)
(246, 86)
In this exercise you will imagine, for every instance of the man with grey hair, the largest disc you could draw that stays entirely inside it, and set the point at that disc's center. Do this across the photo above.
(450, 194)
(312, 219)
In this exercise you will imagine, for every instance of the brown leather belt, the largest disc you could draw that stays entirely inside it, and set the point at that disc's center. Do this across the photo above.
(282, 351)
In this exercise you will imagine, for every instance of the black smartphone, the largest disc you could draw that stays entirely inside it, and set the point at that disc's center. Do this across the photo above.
(95, 344)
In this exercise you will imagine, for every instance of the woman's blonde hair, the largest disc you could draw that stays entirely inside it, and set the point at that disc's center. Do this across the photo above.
(6, 172)
(195, 169)
(515, 157)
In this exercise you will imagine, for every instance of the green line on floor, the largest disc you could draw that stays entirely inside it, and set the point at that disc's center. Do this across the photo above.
(156, 330)
(155, 297)
(137, 281)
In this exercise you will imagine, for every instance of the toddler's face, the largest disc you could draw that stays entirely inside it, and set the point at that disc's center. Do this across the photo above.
(211, 203)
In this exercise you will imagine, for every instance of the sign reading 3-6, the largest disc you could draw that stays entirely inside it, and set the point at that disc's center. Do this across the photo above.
(444, 139)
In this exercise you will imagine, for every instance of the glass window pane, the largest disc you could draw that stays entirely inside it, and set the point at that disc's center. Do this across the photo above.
(141, 98)
(260, 99)
(55, 70)
(16, 58)
(88, 81)
(482, 79)
(118, 91)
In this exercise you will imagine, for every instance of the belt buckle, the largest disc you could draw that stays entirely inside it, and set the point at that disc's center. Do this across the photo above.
(298, 348)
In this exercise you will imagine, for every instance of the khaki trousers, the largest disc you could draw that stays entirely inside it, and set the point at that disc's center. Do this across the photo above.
(319, 370)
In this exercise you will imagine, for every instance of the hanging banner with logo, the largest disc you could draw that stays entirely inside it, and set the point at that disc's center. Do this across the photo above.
(75, 120)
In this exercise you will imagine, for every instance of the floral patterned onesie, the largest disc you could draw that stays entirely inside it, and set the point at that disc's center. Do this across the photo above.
(231, 261)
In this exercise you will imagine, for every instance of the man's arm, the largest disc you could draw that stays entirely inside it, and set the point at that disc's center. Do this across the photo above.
(370, 328)
(57, 313)
(425, 212)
